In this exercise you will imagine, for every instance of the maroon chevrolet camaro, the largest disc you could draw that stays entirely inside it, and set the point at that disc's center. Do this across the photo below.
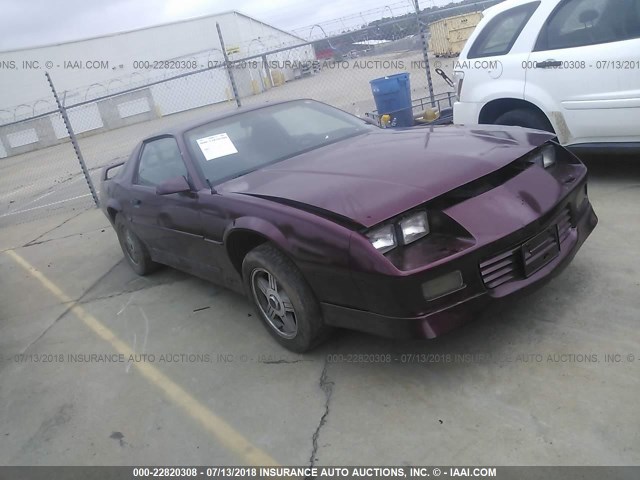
(324, 220)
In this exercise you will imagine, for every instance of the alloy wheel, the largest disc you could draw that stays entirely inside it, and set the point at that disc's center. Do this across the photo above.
(274, 303)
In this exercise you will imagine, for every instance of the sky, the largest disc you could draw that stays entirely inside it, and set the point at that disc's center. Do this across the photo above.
(27, 23)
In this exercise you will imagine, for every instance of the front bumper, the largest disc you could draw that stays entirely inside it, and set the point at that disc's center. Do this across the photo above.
(464, 306)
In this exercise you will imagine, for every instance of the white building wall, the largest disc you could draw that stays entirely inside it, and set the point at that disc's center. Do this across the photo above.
(194, 91)
(94, 68)
(25, 92)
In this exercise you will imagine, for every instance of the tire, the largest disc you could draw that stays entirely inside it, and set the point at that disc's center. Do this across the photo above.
(135, 252)
(528, 118)
(282, 299)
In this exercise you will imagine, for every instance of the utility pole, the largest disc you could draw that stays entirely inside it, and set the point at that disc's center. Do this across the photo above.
(425, 52)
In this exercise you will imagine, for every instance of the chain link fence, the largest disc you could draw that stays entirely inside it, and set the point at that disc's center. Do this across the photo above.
(40, 172)
(43, 180)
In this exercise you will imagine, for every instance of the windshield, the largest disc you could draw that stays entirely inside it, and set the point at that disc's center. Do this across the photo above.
(245, 142)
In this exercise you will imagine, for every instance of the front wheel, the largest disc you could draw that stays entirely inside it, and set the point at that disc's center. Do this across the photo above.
(282, 299)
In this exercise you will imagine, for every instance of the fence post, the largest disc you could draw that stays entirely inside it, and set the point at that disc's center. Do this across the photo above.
(74, 142)
(425, 52)
(267, 69)
(228, 67)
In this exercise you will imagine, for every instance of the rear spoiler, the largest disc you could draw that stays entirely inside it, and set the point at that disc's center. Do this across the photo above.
(105, 171)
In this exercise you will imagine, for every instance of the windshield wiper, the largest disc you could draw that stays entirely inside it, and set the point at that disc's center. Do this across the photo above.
(213, 190)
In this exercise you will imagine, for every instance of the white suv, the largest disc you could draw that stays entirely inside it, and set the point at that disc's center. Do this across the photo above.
(567, 66)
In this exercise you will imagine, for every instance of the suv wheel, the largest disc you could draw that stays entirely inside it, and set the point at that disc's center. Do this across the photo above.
(523, 117)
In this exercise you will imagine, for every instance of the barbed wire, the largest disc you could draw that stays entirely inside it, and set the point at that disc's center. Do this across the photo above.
(260, 45)
(304, 31)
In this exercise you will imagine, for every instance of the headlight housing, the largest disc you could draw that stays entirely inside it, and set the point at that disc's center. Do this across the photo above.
(383, 238)
(546, 157)
(414, 227)
(403, 231)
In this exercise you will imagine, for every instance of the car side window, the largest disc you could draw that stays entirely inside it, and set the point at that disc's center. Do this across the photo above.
(160, 160)
(577, 23)
(502, 31)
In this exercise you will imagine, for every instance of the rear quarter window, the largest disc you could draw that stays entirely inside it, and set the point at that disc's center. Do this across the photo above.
(501, 32)
(577, 23)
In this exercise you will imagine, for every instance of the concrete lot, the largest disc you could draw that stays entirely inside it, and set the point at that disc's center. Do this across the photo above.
(66, 290)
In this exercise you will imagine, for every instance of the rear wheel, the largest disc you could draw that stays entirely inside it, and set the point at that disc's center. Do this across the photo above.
(135, 252)
(524, 117)
(282, 299)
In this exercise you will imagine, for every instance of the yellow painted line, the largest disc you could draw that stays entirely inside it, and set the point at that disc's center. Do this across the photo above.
(224, 433)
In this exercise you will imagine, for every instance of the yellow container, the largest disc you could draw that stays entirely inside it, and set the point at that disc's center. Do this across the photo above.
(448, 35)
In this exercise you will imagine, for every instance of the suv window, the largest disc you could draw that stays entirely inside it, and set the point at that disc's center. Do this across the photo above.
(499, 35)
(576, 23)
(160, 161)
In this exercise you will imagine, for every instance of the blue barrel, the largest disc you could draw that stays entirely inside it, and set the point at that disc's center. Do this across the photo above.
(392, 95)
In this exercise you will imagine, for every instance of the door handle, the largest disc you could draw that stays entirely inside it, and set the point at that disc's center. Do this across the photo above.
(136, 202)
(548, 63)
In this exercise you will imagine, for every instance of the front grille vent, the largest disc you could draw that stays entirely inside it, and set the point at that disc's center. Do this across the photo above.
(499, 269)
(507, 266)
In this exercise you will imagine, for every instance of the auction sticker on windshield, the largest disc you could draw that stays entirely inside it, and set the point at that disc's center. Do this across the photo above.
(216, 146)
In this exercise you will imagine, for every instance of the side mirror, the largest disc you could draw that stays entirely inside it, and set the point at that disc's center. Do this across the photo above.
(173, 185)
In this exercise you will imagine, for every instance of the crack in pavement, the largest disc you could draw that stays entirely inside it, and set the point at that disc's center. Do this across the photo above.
(40, 242)
(68, 309)
(32, 242)
(327, 387)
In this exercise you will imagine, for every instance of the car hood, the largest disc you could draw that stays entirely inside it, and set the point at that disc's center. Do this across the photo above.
(377, 175)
